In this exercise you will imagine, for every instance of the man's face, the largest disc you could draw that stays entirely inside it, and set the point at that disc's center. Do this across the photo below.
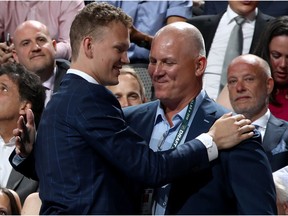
(110, 53)
(278, 49)
(249, 89)
(172, 68)
(34, 48)
(10, 102)
(243, 7)
(127, 91)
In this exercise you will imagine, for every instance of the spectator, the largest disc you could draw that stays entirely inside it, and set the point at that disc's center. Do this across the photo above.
(8, 202)
(96, 151)
(216, 30)
(20, 90)
(273, 47)
(281, 184)
(56, 15)
(130, 89)
(250, 84)
(272, 8)
(35, 49)
(227, 185)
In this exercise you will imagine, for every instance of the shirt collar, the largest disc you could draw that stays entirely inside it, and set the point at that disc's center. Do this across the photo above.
(11, 142)
(49, 84)
(160, 114)
(231, 14)
(263, 120)
(83, 75)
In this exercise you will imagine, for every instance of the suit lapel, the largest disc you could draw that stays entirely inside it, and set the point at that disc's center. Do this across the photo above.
(203, 120)
(14, 180)
(274, 132)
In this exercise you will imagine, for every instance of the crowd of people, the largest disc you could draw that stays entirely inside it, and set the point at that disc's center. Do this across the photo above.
(78, 134)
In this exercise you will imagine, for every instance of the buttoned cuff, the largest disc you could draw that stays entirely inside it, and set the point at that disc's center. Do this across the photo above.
(211, 146)
(17, 159)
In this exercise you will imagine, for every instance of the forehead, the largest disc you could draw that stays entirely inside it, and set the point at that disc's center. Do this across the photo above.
(29, 31)
(242, 68)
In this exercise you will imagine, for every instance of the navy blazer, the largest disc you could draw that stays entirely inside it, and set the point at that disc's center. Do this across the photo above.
(208, 24)
(275, 142)
(238, 182)
(89, 161)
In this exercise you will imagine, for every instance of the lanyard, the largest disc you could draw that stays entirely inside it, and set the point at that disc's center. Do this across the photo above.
(184, 125)
(182, 129)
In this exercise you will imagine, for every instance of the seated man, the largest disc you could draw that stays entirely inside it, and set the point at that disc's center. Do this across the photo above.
(130, 89)
(20, 90)
(250, 84)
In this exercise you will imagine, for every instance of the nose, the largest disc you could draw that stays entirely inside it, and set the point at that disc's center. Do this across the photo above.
(36, 46)
(125, 58)
(124, 102)
(240, 86)
(283, 62)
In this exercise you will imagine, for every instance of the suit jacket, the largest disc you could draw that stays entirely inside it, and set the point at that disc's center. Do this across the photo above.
(89, 161)
(275, 142)
(238, 182)
(208, 24)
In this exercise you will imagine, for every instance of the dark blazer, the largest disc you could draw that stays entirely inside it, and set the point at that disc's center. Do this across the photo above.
(208, 24)
(62, 66)
(275, 142)
(89, 161)
(238, 182)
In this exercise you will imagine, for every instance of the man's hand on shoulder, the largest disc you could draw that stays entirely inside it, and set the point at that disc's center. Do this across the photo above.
(230, 130)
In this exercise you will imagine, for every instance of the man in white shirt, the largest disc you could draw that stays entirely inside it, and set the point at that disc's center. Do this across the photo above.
(19, 90)
(249, 85)
(216, 30)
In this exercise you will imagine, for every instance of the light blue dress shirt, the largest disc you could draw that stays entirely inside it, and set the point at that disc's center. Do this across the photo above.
(150, 16)
(162, 139)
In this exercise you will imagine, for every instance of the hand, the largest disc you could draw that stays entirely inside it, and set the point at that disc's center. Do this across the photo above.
(229, 130)
(25, 134)
(6, 53)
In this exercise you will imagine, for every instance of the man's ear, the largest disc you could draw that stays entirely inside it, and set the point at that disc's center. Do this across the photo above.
(15, 56)
(201, 63)
(24, 106)
(88, 47)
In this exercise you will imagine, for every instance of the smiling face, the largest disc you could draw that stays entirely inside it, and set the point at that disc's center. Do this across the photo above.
(176, 67)
(109, 53)
(249, 86)
(278, 49)
(34, 48)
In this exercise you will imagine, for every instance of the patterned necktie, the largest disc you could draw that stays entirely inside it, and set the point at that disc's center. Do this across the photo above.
(234, 48)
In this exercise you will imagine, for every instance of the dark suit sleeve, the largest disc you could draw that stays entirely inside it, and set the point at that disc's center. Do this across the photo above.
(26, 167)
(250, 177)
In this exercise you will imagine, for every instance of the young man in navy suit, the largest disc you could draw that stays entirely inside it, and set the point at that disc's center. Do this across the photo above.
(88, 159)
(240, 180)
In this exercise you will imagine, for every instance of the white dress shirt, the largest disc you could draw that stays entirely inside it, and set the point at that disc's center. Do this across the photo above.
(219, 44)
(5, 166)
(262, 123)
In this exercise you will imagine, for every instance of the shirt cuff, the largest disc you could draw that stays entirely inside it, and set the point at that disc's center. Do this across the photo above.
(17, 159)
(211, 146)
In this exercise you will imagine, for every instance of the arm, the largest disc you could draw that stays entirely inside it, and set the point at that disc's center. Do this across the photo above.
(69, 11)
(250, 177)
